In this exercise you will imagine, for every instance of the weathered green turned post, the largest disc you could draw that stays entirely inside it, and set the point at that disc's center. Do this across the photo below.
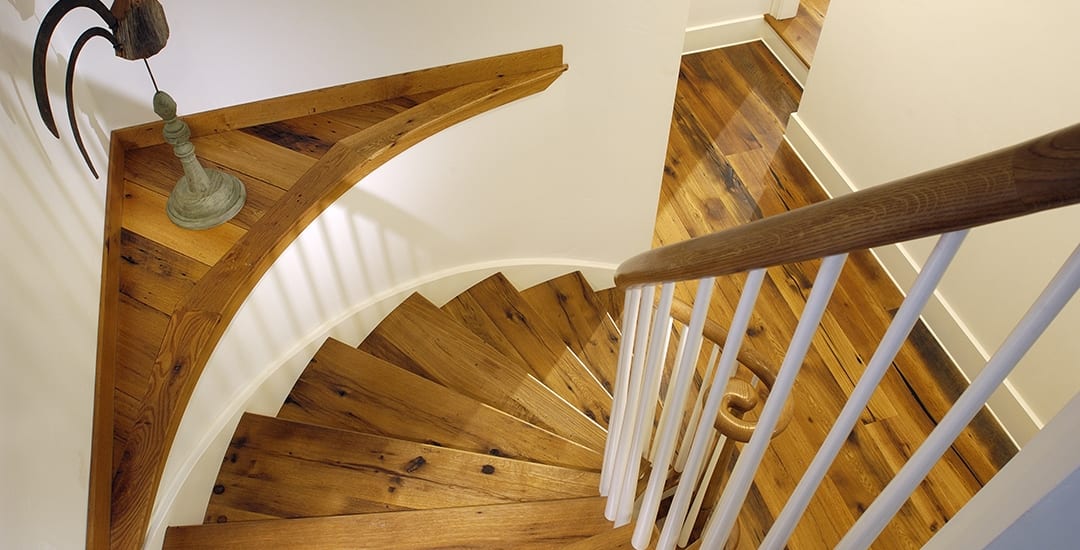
(203, 197)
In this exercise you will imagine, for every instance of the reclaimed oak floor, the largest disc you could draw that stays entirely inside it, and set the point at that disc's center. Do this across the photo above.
(727, 164)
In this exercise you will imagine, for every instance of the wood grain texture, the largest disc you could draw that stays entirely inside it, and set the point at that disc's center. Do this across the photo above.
(419, 337)
(157, 169)
(279, 468)
(101, 448)
(525, 526)
(348, 389)
(609, 539)
(144, 213)
(495, 311)
(155, 274)
(571, 308)
(801, 33)
(347, 95)
(200, 318)
(1033, 176)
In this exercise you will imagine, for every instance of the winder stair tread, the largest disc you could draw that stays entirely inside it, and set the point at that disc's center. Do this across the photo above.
(574, 312)
(496, 312)
(343, 387)
(277, 468)
(523, 526)
(423, 339)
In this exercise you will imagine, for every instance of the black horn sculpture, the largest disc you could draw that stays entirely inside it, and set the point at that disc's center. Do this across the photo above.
(136, 28)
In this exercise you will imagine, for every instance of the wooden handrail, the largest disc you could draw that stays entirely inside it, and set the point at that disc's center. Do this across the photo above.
(1037, 175)
(201, 317)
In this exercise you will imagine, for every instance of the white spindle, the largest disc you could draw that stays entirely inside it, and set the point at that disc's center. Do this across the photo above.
(695, 415)
(672, 415)
(879, 364)
(679, 352)
(719, 526)
(633, 387)
(1063, 286)
(631, 303)
(700, 448)
(699, 498)
(654, 367)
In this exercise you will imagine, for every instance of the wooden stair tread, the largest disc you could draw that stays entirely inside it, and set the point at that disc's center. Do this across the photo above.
(531, 525)
(610, 539)
(571, 308)
(425, 340)
(495, 311)
(349, 389)
(280, 468)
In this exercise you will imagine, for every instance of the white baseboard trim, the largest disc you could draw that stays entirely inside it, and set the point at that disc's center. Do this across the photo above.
(741, 31)
(1006, 404)
(182, 499)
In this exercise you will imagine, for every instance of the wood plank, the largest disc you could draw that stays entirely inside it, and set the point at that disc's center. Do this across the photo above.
(525, 526)
(157, 169)
(569, 306)
(311, 135)
(102, 446)
(495, 311)
(345, 95)
(257, 158)
(156, 275)
(348, 389)
(610, 539)
(801, 33)
(144, 213)
(421, 338)
(280, 468)
(362, 117)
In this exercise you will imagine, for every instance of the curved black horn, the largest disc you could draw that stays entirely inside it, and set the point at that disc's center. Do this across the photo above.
(69, 83)
(41, 47)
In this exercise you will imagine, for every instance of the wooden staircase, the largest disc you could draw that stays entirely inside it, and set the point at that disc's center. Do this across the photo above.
(479, 424)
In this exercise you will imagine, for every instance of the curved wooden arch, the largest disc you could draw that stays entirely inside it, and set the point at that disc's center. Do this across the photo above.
(122, 496)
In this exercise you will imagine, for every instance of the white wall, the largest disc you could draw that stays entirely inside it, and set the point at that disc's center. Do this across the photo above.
(51, 216)
(533, 182)
(901, 87)
(709, 12)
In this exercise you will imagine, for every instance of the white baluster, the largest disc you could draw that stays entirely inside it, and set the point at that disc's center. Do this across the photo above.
(633, 393)
(654, 367)
(695, 415)
(631, 305)
(668, 430)
(700, 448)
(879, 364)
(719, 527)
(1063, 286)
(699, 498)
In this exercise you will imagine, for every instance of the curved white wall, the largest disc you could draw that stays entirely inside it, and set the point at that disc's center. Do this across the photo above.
(567, 176)
(901, 87)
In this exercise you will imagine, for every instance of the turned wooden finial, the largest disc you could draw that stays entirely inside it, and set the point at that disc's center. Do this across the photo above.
(203, 197)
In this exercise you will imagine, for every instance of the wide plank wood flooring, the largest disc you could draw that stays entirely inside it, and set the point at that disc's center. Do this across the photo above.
(727, 164)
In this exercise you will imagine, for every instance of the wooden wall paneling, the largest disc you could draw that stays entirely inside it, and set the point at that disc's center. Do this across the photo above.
(202, 317)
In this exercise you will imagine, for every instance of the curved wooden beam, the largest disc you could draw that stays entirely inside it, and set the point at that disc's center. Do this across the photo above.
(1037, 175)
(201, 317)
